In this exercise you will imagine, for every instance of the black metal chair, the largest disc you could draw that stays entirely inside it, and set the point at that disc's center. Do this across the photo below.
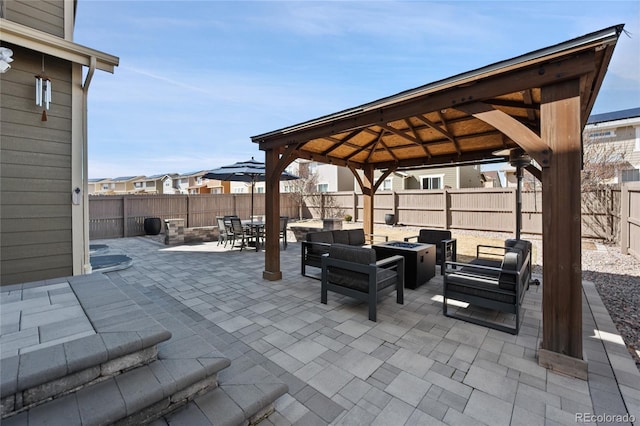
(353, 271)
(446, 246)
(283, 230)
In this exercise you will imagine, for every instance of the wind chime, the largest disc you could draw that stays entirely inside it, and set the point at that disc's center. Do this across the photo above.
(43, 91)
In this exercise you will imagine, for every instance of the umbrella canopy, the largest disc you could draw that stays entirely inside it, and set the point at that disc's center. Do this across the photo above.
(251, 171)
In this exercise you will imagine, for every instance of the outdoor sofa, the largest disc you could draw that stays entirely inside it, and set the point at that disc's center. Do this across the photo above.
(496, 279)
(354, 271)
(317, 244)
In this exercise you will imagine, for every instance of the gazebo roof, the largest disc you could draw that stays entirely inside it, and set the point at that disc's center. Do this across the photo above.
(438, 123)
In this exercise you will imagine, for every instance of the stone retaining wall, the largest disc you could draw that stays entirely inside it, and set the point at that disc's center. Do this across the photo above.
(176, 233)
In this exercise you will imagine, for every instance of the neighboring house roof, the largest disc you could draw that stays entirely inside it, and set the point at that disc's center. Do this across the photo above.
(614, 115)
(491, 175)
(126, 178)
(190, 174)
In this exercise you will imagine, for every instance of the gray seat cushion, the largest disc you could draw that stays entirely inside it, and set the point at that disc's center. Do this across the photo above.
(356, 237)
(340, 237)
(319, 237)
(354, 279)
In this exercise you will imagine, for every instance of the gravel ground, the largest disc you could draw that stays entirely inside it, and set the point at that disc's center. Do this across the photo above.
(617, 278)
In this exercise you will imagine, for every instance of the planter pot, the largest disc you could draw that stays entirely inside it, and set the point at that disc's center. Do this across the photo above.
(390, 219)
(152, 225)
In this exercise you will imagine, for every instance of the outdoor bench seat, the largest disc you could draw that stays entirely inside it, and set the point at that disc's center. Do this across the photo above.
(354, 271)
(496, 281)
(317, 244)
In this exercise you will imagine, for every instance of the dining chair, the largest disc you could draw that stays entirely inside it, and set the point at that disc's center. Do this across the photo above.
(238, 231)
(283, 230)
(222, 231)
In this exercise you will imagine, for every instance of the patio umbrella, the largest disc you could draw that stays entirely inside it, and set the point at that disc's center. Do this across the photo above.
(251, 171)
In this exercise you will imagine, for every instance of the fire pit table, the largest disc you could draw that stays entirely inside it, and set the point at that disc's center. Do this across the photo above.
(419, 263)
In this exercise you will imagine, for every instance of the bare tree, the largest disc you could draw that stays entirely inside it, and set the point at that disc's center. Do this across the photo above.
(304, 187)
(305, 192)
(602, 163)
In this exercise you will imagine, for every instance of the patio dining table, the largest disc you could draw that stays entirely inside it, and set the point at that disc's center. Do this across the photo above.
(256, 230)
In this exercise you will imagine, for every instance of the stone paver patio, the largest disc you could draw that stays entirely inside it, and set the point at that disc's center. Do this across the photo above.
(414, 366)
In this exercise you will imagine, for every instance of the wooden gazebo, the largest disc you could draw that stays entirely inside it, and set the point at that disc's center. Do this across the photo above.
(538, 102)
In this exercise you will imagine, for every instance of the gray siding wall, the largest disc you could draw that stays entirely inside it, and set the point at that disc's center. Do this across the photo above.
(470, 177)
(43, 15)
(35, 172)
(346, 181)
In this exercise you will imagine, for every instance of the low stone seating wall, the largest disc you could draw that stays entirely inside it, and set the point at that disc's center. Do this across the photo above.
(176, 233)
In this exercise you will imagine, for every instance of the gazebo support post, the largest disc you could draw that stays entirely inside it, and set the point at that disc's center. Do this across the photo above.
(367, 195)
(272, 270)
(560, 121)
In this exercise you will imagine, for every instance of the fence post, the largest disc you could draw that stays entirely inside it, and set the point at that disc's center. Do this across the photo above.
(235, 207)
(395, 207)
(624, 219)
(354, 210)
(125, 219)
(446, 205)
(515, 218)
(188, 224)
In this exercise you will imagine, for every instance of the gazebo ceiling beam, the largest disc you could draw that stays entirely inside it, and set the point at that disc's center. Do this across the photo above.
(528, 100)
(516, 104)
(518, 132)
(337, 142)
(374, 145)
(415, 134)
(509, 82)
(444, 132)
(402, 134)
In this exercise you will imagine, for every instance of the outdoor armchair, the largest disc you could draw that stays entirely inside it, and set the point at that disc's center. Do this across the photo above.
(497, 279)
(446, 246)
(317, 243)
(353, 271)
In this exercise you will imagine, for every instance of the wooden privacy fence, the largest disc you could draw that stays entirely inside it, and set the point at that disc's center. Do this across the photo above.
(482, 209)
(630, 219)
(116, 216)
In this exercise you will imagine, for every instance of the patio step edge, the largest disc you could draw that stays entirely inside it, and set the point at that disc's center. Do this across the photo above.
(125, 337)
(245, 399)
(135, 397)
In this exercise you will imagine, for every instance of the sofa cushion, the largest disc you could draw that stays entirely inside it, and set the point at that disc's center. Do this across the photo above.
(361, 255)
(511, 262)
(485, 289)
(356, 237)
(319, 237)
(433, 236)
(340, 236)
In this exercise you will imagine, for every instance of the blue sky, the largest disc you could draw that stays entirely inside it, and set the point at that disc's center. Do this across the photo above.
(197, 79)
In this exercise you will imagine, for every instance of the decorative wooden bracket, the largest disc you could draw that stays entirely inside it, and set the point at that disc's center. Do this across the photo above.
(516, 131)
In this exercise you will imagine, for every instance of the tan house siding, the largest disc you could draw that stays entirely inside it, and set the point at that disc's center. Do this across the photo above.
(43, 15)
(35, 160)
(469, 177)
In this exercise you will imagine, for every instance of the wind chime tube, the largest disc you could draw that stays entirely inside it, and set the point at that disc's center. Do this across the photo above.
(38, 90)
(47, 93)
